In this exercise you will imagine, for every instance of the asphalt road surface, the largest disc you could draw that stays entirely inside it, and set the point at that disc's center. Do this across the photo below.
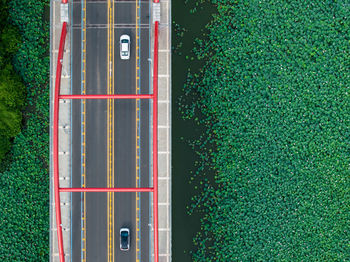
(110, 139)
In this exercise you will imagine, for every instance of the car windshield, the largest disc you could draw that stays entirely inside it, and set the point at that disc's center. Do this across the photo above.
(124, 237)
(124, 41)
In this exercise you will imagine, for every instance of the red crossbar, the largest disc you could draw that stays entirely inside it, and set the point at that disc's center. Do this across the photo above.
(100, 189)
(110, 96)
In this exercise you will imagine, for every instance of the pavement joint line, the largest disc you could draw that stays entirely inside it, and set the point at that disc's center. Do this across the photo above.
(163, 152)
(163, 126)
(64, 101)
(163, 178)
(63, 153)
(65, 255)
(163, 101)
(56, 50)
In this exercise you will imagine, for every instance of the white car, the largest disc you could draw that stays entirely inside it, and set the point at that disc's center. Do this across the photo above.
(125, 47)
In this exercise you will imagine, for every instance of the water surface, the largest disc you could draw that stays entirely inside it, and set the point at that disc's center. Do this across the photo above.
(184, 227)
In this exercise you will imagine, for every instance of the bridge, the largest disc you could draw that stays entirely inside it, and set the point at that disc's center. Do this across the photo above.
(123, 107)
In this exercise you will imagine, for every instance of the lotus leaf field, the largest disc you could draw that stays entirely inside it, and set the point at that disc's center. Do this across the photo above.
(274, 98)
(24, 181)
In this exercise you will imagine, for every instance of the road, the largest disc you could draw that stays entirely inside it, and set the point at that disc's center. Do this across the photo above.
(110, 139)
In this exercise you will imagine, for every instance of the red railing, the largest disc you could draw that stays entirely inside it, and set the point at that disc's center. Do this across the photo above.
(55, 141)
(155, 142)
(58, 96)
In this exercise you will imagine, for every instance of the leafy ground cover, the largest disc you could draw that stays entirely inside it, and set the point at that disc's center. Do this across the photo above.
(274, 97)
(24, 184)
(12, 94)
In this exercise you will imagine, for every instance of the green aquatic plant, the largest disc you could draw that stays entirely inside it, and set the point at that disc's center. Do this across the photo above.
(274, 97)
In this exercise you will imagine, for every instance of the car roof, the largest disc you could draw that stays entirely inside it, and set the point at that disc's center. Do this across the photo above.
(125, 47)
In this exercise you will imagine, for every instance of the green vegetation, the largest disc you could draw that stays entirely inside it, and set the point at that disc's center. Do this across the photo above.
(11, 88)
(24, 184)
(274, 97)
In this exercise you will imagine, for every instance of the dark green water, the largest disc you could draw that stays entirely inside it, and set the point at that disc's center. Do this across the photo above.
(184, 227)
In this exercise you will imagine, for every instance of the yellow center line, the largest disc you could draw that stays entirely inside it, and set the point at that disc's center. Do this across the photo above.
(84, 137)
(108, 137)
(137, 135)
(113, 194)
(110, 133)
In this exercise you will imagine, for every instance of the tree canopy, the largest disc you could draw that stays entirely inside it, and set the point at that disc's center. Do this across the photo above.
(12, 91)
